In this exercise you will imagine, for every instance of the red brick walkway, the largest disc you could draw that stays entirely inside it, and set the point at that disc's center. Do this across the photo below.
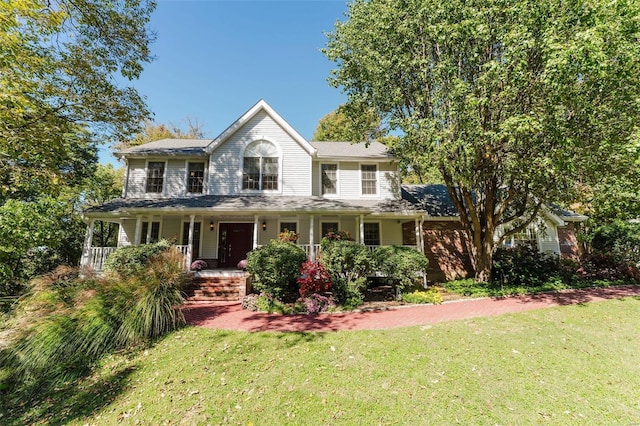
(231, 316)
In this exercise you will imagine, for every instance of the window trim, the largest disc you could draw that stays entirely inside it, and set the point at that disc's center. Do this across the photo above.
(360, 180)
(280, 168)
(204, 177)
(164, 177)
(331, 163)
(296, 221)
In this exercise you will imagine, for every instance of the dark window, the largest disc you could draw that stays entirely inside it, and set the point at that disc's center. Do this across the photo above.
(371, 234)
(329, 178)
(195, 178)
(155, 176)
(289, 226)
(329, 227)
(153, 236)
(368, 173)
(197, 226)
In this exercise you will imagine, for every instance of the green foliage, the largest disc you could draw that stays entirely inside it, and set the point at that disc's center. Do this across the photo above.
(67, 323)
(339, 126)
(506, 99)
(620, 240)
(349, 293)
(61, 62)
(524, 266)
(432, 295)
(349, 264)
(131, 260)
(154, 132)
(102, 186)
(275, 268)
(404, 266)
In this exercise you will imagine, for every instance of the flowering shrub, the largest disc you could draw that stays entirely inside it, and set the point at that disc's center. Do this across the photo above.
(288, 236)
(338, 236)
(199, 265)
(432, 295)
(242, 264)
(316, 303)
(314, 278)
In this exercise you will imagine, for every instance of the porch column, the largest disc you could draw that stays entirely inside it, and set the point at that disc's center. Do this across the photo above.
(256, 227)
(136, 237)
(419, 244)
(192, 219)
(357, 236)
(421, 233)
(361, 229)
(88, 239)
(149, 223)
(312, 247)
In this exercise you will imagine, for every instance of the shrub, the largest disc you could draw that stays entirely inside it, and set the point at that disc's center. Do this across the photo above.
(250, 302)
(130, 260)
(346, 259)
(524, 265)
(618, 240)
(288, 236)
(316, 303)
(275, 268)
(314, 278)
(432, 295)
(349, 294)
(402, 265)
(337, 236)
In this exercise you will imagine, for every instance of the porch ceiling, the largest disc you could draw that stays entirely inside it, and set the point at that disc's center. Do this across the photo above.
(252, 204)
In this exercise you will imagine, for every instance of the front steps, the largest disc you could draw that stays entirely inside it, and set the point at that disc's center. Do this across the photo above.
(219, 286)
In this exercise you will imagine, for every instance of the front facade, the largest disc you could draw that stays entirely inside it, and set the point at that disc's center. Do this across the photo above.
(219, 199)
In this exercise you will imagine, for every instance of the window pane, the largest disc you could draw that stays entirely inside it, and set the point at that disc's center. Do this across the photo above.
(155, 232)
(372, 234)
(329, 227)
(251, 175)
(195, 178)
(368, 177)
(155, 176)
(288, 226)
(329, 178)
(269, 173)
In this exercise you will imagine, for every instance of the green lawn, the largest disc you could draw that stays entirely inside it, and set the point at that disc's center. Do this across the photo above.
(568, 365)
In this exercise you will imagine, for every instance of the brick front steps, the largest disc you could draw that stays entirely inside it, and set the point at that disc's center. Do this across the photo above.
(219, 286)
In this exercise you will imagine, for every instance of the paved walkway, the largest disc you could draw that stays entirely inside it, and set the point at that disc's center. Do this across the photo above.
(231, 316)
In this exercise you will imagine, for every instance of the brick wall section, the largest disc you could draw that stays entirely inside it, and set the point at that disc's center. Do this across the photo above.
(444, 247)
(568, 242)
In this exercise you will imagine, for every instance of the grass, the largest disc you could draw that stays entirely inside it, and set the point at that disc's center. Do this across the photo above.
(573, 364)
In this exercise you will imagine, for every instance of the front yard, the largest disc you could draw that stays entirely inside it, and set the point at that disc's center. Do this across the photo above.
(568, 365)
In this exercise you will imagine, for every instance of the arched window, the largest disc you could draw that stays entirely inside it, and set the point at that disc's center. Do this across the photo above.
(260, 168)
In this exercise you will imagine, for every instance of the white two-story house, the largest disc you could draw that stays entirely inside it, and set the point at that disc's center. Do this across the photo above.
(219, 199)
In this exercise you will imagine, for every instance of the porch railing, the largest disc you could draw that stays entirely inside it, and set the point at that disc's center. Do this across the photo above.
(186, 253)
(97, 256)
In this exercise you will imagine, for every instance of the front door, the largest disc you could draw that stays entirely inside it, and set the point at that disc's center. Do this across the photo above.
(235, 241)
(195, 250)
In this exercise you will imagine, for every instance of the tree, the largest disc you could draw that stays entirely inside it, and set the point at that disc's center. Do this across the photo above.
(341, 126)
(104, 185)
(154, 132)
(514, 102)
(60, 68)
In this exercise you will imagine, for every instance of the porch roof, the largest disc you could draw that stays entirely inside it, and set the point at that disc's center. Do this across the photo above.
(253, 204)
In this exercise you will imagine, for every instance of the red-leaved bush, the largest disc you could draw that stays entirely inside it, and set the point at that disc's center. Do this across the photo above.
(313, 278)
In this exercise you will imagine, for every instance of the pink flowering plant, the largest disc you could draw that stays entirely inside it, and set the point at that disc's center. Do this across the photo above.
(314, 278)
(316, 303)
(288, 236)
(199, 265)
(337, 236)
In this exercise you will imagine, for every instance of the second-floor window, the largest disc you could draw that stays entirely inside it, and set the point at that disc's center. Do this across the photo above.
(195, 178)
(329, 178)
(260, 171)
(369, 179)
(155, 176)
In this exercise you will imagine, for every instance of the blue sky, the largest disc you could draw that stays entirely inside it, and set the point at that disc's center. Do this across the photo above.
(215, 59)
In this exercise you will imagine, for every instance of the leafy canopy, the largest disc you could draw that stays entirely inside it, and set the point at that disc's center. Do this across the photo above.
(513, 101)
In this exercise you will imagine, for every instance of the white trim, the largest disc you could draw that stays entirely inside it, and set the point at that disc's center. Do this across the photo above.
(261, 105)
(186, 177)
(284, 220)
(377, 194)
(146, 177)
(202, 230)
(337, 164)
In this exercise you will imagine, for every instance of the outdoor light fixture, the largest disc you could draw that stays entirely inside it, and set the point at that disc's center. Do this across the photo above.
(212, 226)
(264, 225)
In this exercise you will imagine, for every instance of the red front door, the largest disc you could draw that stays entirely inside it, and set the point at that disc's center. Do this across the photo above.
(235, 241)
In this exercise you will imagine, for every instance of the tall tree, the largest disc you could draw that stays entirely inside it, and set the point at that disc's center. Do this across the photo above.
(514, 101)
(156, 131)
(61, 65)
(104, 185)
(342, 125)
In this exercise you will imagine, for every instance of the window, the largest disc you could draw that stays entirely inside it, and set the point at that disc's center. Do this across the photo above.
(197, 227)
(329, 178)
(261, 167)
(368, 176)
(153, 236)
(527, 236)
(155, 176)
(289, 226)
(195, 178)
(327, 227)
(371, 234)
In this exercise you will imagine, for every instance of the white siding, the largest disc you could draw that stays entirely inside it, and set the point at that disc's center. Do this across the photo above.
(126, 233)
(548, 238)
(137, 178)
(349, 180)
(174, 184)
(389, 180)
(225, 168)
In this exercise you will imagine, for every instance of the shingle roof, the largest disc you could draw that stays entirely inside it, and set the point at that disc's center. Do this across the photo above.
(348, 149)
(248, 204)
(169, 147)
(434, 199)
